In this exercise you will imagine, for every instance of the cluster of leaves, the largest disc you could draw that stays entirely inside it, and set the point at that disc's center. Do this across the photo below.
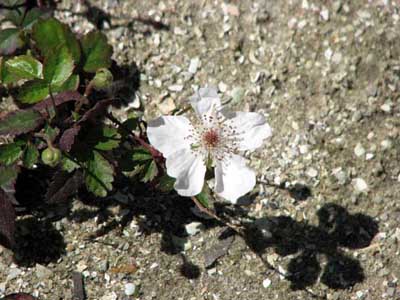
(59, 82)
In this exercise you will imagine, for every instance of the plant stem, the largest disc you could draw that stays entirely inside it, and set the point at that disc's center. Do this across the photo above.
(154, 152)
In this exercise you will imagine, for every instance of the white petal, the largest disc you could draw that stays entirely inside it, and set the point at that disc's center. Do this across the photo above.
(252, 129)
(189, 171)
(233, 178)
(169, 134)
(204, 101)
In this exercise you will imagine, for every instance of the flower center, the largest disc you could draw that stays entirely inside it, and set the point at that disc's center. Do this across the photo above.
(211, 138)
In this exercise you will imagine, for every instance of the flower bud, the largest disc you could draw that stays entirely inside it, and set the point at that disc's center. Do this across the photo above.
(51, 156)
(103, 79)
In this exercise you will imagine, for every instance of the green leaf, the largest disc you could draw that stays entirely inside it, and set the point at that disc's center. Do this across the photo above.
(150, 171)
(5, 76)
(10, 153)
(141, 154)
(203, 198)
(32, 16)
(7, 174)
(15, 16)
(33, 91)
(31, 155)
(166, 183)
(50, 34)
(10, 40)
(71, 84)
(21, 121)
(109, 139)
(24, 67)
(58, 66)
(68, 164)
(96, 51)
(99, 175)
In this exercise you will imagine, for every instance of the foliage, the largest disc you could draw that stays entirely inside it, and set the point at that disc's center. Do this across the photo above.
(59, 81)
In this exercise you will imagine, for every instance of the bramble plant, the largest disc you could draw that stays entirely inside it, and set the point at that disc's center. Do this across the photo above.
(59, 81)
(64, 135)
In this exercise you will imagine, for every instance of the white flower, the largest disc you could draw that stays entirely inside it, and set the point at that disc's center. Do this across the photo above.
(215, 136)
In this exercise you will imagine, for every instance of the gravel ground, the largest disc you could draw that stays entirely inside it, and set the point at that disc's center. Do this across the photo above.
(326, 211)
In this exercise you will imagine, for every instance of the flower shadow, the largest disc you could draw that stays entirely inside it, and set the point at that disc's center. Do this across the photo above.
(337, 231)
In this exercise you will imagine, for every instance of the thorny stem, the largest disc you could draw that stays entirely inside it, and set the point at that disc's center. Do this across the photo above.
(239, 231)
(154, 152)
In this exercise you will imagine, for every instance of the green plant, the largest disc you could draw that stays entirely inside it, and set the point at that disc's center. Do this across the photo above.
(59, 82)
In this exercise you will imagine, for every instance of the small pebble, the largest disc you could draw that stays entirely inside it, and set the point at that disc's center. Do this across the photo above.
(359, 150)
(360, 185)
(266, 283)
(130, 289)
(194, 228)
(311, 172)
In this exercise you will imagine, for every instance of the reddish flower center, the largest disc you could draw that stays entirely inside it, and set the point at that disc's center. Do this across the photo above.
(211, 138)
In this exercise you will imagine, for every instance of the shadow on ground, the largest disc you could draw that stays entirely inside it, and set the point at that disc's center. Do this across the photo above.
(337, 231)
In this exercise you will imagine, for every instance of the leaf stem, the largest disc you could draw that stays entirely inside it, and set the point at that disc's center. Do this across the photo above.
(154, 152)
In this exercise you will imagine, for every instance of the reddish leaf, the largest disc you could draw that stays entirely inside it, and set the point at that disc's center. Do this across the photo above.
(68, 138)
(19, 296)
(7, 221)
(63, 186)
(59, 99)
(97, 110)
(20, 121)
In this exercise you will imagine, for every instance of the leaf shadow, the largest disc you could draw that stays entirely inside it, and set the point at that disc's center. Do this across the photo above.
(37, 242)
(337, 232)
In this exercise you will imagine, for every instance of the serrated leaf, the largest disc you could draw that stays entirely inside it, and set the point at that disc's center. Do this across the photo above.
(50, 34)
(7, 220)
(96, 51)
(20, 121)
(59, 99)
(5, 76)
(58, 66)
(15, 16)
(150, 171)
(67, 139)
(62, 186)
(109, 139)
(99, 175)
(10, 153)
(68, 164)
(71, 84)
(7, 174)
(33, 91)
(203, 198)
(24, 67)
(10, 40)
(32, 16)
(31, 156)
(141, 154)
(166, 183)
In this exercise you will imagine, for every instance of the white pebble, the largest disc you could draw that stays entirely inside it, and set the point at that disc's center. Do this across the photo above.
(311, 172)
(360, 185)
(386, 144)
(175, 88)
(194, 65)
(386, 107)
(359, 150)
(130, 289)
(328, 53)
(266, 283)
(369, 156)
(324, 14)
(194, 228)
